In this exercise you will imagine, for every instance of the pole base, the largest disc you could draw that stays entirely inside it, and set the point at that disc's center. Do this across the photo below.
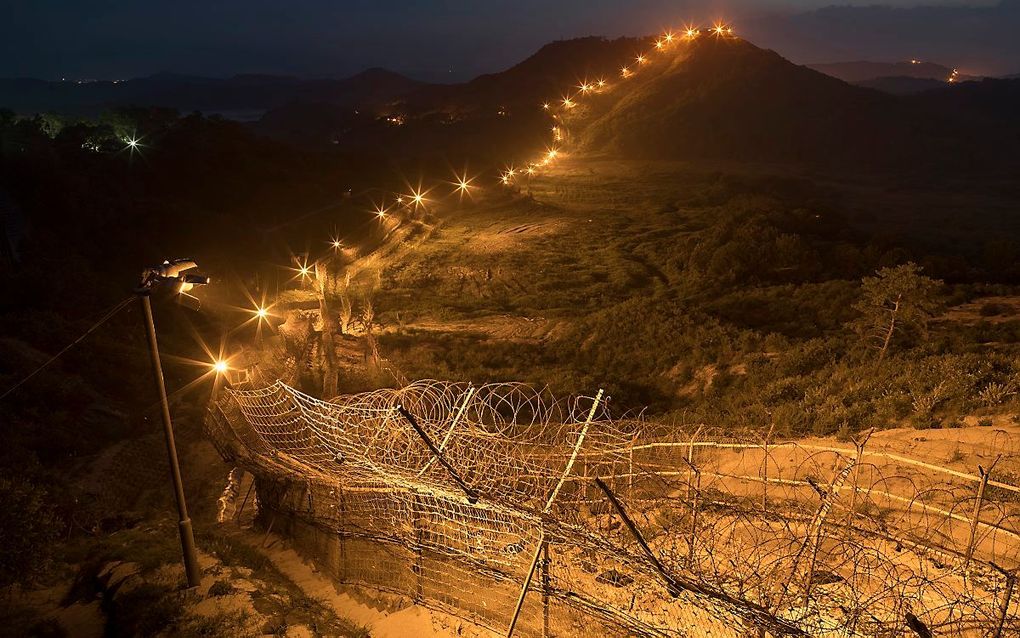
(191, 568)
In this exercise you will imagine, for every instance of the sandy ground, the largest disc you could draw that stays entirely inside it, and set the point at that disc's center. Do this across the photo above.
(384, 615)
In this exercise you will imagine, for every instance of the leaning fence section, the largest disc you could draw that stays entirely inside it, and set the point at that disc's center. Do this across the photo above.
(535, 516)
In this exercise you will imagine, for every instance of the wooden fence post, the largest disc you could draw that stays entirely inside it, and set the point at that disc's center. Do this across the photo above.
(976, 516)
(826, 498)
(816, 539)
(859, 445)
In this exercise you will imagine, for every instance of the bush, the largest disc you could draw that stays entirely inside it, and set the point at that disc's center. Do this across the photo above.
(992, 309)
(28, 529)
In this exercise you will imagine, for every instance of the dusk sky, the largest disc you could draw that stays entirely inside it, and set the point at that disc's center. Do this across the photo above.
(457, 39)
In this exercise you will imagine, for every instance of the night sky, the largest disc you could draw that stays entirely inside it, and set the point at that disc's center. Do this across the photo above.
(448, 40)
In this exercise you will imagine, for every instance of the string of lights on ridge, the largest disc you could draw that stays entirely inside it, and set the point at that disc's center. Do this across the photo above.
(572, 98)
(417, 198)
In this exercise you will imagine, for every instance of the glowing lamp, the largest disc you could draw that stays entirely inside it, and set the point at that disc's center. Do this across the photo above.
(220, 366)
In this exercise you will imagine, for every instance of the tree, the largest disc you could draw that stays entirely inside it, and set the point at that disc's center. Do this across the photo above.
(898, 300)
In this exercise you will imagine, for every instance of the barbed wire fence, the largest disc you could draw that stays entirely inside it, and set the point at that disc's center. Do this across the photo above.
(537, 516)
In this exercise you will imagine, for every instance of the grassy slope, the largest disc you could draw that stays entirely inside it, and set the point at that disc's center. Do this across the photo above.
(625, 275)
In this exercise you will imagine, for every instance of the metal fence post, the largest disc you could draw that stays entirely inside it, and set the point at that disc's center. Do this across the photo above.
(765, 469)
(1006, 599)
(690, 458)
(546, 563)
(630, 469)
(693, 534)
(419, 558)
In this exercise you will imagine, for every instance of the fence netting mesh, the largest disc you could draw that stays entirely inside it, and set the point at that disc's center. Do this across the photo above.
(453, 494)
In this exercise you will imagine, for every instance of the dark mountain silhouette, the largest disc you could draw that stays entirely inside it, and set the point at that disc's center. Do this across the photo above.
(990, 104)
(727, 99)
(861, 71)
(550, 72)
(902, 85)
(190, 93)
(493, 111)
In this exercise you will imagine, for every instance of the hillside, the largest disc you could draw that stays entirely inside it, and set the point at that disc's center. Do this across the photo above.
(726, 99)
(710, 98)
(901, 85)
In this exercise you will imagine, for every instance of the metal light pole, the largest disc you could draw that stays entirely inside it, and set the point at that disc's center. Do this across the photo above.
(152, 277)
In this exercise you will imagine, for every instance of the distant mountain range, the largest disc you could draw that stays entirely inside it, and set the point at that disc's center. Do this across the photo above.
(898, 78)
(861, 71)
(718, 98)
(191, 93)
